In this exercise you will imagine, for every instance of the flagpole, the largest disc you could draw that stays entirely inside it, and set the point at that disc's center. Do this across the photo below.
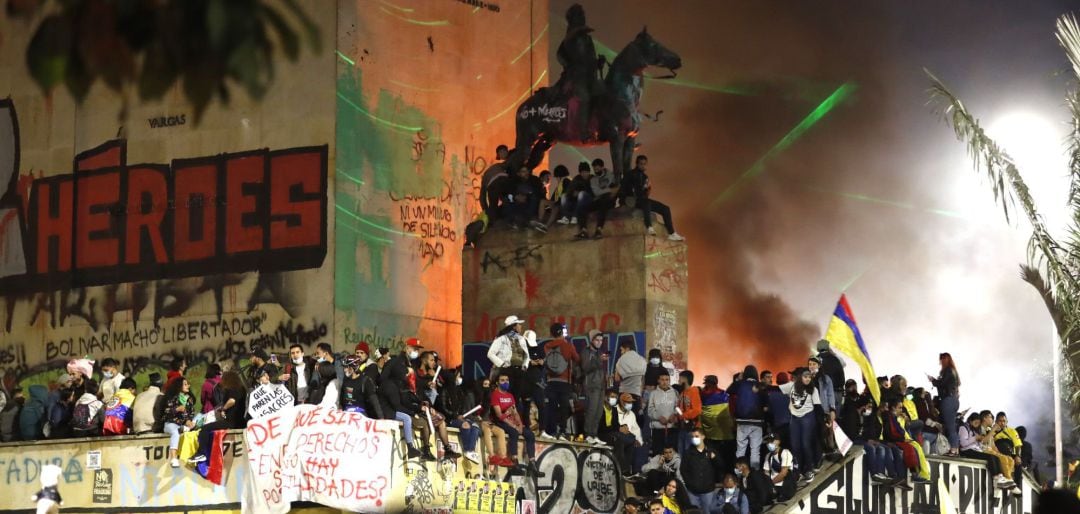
(1058, 465)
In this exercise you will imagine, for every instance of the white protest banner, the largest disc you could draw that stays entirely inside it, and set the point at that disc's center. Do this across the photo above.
(843, 442)
(312, 453)
(268, 399)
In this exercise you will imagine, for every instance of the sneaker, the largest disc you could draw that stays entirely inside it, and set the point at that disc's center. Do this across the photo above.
(564, 221)
(879, 478)
(426, 455)
(675, 236)
(635, 478)
(451, 455)
(495, 460)
(175, 463)
(920, 480)
(473, 457)
(539, 227)
(413, 453)
(579, 439)
(598, 234)
(573, 221)
(534, 469)
(903, 484)
(651, 231)
(197, 459)
(581, 235)
(545, 435)
(809, 477)
(592, 440)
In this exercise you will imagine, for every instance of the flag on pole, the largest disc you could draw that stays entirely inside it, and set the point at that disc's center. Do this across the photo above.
(843, 336)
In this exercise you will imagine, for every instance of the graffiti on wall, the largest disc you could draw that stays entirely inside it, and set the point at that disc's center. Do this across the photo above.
(576, 479)
(150, 262)
(849, 491)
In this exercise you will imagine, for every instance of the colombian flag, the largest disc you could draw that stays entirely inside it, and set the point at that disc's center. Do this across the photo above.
(843, 336)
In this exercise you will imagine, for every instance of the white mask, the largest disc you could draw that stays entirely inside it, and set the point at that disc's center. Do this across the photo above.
(628, 406)
(696, 441)
(458, 381)
(771, 446)
(298, 361)
(866, 413)
(612, 401)
(321, 359)
(738, 472)
(655, 361)
(730, 491)
(909, 397)
(413, 355)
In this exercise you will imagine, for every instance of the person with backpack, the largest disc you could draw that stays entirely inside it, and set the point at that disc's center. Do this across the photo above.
(59, 422)
(179, 413)
(358, 391)
(559, 357)
(748, 400)
(88, 415)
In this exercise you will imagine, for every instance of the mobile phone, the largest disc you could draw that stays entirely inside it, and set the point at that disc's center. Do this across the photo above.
(273, 358)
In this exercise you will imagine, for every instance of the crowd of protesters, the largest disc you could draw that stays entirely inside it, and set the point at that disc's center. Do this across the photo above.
(681, 445)
(521, 199)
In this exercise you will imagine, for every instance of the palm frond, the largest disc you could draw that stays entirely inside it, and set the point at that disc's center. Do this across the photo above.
(1068, 34)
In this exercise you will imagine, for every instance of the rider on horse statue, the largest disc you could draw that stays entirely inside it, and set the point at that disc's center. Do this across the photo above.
(580, 82)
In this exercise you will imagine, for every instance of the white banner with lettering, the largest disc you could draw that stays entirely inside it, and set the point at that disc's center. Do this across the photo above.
(324, 455)
(268, 399)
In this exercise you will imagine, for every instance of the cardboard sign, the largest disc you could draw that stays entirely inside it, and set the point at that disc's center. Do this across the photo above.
(843, 442)
(268, 399)
(320, 454)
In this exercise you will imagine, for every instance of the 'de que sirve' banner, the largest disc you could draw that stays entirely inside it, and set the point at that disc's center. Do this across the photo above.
(324, 455)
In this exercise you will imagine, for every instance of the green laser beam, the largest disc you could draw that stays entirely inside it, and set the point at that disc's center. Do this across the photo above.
(838, 96)
(408, 129)
(520, 98)
(345, 58)
(372, 224)
(851, 281)
(426, 23)
(890, 203)
(398, 7)
(730, 90)
(365, 235)
(351, 178)
(416, 88)
(531, 45)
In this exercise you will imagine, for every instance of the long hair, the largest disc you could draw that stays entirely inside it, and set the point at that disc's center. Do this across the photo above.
(948, 363)
(800, 387)
(231, 381)
(174, 388)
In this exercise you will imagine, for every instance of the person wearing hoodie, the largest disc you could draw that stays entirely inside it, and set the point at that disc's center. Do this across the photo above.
(730, 498)
(654, 367)
(559, 359)
(778, 415)
(118, 409)
(748, 400)
(32, 417)
(594, 363)
(9, 417)
(148, 407)
(453, 403)
(88, 414)
(394, 391)
(661, 411)
(689, 408)
(833, 367)
(59, 421)
(658, 470)
(630, 370)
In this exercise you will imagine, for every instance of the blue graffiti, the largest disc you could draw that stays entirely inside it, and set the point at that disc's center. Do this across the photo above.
(27, 470)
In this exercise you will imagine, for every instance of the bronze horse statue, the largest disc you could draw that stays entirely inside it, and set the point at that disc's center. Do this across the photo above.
(552, 114)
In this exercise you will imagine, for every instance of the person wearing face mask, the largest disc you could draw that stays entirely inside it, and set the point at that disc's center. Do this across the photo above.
(298, 374)
(394, 392)
(594, 365)
(850, 420)
(754, 484)
(325, 353)
(110, 378)
(206, 394)
(509, 352)
(778, 464)
(730, 498)
(611, 434)
(629, 434)
(452, 404)
(661, 409)
(653, 369)
(701, 467)
(504, 413)
(884, 462)
(689, 408)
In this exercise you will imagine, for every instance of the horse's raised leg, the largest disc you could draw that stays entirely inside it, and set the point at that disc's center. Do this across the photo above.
(538, 152)
(618, 148)
(628, 153)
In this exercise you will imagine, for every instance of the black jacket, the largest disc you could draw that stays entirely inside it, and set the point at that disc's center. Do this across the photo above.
(701, 470)
(394, 389)
(635, 183)
(834, 368)
(758, 490)
(373, 375)
(309, 371)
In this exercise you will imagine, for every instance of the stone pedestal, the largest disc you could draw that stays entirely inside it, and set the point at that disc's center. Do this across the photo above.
(627, 284)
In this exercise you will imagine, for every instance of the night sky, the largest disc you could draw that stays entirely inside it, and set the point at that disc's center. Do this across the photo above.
(877, 198)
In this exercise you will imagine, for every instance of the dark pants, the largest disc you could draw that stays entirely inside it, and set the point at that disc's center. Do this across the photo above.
(664, 438)
(802, 441)
(521, 213)
(600, 206)
(655, 480)
(512, 436)
(622, 446)
(648, 206)
(574, 204)
(949, 406)
(993, 465)
(559, 405)
(206, 436)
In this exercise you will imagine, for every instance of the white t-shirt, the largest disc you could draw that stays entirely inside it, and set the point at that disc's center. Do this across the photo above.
(330, 396)
(774, 463)
(800, 404)
(301, 382)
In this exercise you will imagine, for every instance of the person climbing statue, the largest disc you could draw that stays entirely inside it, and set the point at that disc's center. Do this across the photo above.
(580, 77)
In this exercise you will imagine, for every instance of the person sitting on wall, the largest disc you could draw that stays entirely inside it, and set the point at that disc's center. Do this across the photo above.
(754, 484)
(504, 413)
(557, 184)
(229, 414)
(110, 378)
(636, 185)
(519, 199)
(395, 392)
(177, 368)
(494, 172)
(605, 188)
(148, 407)
(576, 196)
(452, 403)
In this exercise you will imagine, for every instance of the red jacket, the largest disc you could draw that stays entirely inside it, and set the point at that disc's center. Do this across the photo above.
(568, 352)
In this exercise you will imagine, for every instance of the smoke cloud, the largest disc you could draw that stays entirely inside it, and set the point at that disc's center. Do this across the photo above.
(876, 199)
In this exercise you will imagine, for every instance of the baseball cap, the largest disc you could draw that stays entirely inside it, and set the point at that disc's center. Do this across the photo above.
(711, 379)
(626, 398)
(413, 342)
(512, 320)
(260, 353)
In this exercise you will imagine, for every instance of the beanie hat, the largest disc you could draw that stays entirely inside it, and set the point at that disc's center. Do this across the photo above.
(362, 346)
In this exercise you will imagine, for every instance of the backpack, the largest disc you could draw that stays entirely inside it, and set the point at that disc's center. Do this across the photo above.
(555, 363)
(81, 420)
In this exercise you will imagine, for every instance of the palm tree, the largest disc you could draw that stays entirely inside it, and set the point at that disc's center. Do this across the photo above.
(1053, 266)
